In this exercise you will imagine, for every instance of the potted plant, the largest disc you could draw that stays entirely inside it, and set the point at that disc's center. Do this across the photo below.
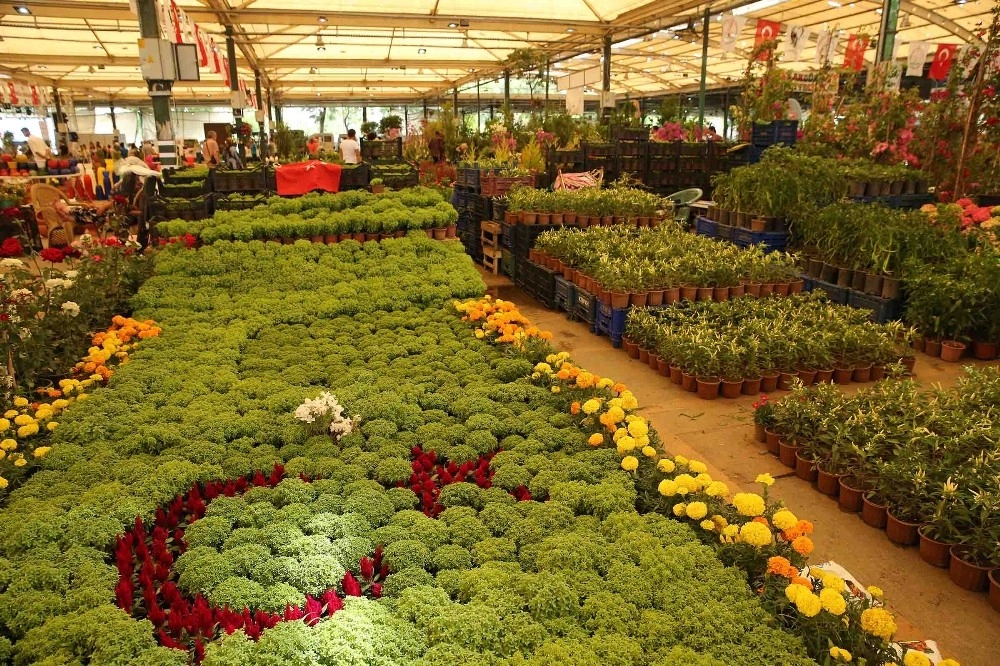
(377, 185)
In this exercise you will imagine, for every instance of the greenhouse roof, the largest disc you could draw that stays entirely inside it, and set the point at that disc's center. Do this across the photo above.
(413, 50)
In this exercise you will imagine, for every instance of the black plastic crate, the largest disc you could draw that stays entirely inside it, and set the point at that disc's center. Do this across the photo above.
(238, 202)
(776, 131)
(770, 240)
(197, 208)
(243, 180)
(586, 306)
(724, 231)
(382, 151)
(834, 293)
(355, 177)
(507, 235)
(565, 294)
(636, 134)
(183, 190)
(882, 309)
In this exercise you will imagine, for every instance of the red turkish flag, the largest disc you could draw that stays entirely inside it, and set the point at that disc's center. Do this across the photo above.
(216, 58)
(178, 38)
(943, 60)
(766, 31)
(854, 54)
(202, 51)
(13, 92)
(225, 70)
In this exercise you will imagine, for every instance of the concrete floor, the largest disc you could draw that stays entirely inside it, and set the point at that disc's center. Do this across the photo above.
(927, 604)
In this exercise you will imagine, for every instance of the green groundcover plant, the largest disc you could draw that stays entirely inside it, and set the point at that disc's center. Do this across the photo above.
(250, 331)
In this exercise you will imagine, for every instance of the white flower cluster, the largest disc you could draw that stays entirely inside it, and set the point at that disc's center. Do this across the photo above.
(326, 407)
(58, 283)
(71, 308)
(11, 263)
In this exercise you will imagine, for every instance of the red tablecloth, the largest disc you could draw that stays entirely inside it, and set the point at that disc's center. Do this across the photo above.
(303, 177)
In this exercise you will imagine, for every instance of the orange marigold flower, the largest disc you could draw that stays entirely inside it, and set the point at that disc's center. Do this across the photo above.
(574, 409)
(803, 581)
(762, 520)
(781, 567)
(802, 545)
(805, 527)
(618, 388)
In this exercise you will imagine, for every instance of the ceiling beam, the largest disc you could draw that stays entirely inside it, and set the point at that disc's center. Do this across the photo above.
(319, 83)
(940, 21)
(27, 77)
(638, 53)
(277, 63)
(223, 16)
(251, 15)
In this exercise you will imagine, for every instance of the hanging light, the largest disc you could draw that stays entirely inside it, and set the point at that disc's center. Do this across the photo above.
(320, 46)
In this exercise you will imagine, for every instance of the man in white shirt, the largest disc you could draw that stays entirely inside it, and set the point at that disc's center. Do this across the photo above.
(39, 149)
(350, 149)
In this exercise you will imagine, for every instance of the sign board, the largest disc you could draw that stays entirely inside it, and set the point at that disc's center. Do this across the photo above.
(587, 77)
(186, 57)
(574, 101)
(156, 60)
(607, 99)
(239, 101)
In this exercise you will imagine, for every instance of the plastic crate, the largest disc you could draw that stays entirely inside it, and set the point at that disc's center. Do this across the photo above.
(507, 235)
(706, 227)
(882, 309)
(771, 240)
(507, 263)
(776, 131)
(236, 202)
(385, 151)
(586, 306)
(836, 294)
(565, 294)
(354, 177)
(246, 180)
(611, 321)
(724, 231)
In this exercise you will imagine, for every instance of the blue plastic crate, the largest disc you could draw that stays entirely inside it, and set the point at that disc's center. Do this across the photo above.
(611, 321)
(834, 293)
(771, 240)
(705, 227)
(724, 231)
(882, 309)
(777, 131)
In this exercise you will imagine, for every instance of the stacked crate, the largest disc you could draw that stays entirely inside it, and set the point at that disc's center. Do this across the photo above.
(490, 240)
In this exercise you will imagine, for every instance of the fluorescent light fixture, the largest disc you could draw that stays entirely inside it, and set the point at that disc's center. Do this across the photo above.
(452, 25)
(757, 6)
(421, 51)
(833, 3)
(570, 29)
(22, 10)
(322, 19)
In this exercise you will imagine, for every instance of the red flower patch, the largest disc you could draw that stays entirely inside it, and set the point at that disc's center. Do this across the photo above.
(432, 472)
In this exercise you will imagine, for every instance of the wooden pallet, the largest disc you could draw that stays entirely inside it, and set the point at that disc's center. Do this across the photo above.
(490, 234)
(491, 259)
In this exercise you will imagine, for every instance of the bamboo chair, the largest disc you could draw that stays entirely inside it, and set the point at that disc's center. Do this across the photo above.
(60, 228)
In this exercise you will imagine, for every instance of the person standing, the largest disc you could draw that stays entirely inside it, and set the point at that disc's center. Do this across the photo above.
(350, 149)
(211, 150)
(40, 150)
(712, 135)
(436, 147)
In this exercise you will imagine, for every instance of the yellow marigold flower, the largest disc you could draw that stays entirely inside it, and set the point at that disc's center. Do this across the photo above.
(680, 509)
(10, 413)
(20, 401)
(808, 603)
(60, 403)
(615, 402)
(729, 533)
(480, 334)
(23, 419)
(749, 504)
(4, 424)
(630, 463)
(8, 445)
(687, 482)
(784, 519)
(667, 488)
(51, 425)
(697, 510)
(629, 401)
(41, 451)
(556, 389)
(585, 380)
(638, 428)
(680, 460)
(82, 396)
(878, 622)
(20, 462)
(3, 483)
(544, 367)
(619, 433)
(642, 440)
(666, 465)
(756, 534)
(833, 602)
(793, 590)
(914, 658)
(704, 480)
(27, 430)
(649, 451)
(717, 489)
(841, 654)
(720, 521)
(592, 406)
(707, 525)
(766, 479)
(596, 439)
(96, 378)
(876, 592)
(605, 383)
(697, 467)
(945, 662)
(626, 445)
(832, 581)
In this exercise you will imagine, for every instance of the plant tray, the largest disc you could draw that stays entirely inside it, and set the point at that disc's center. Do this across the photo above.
(836, 294)
(586, 306)
(882, 309)
(498, 186)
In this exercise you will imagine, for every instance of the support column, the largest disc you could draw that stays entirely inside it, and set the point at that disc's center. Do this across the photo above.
(114, 119)
(364, 113)
(62, 138)
(278, 120)
(234, 86)
(425, 108)
(159, 91)
(706, 24)
(270, 110)
(406, 120)
(606, 73)
(887, 30)
(546, 111)
(262, 135)
(506, 88)
(454, 100)
(479, 108)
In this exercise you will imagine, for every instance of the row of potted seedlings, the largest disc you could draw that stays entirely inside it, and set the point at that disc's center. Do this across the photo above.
(584, 207)
(744, 346)
(640, 267)
(922, 465)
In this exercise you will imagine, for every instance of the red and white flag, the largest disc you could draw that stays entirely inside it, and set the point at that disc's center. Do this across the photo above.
(766, 31)
(202, 50)
(854, 54)
(216, 58)
(176, 19)
(12, 92)
(225, 70)
(943, 60)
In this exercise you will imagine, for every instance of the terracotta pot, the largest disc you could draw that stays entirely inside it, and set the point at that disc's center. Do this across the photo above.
(823, 376)
(932, 348)
(619, 299)
(440, 233)
(995, 589)
(751, 386)
(732, 389)
(655, 297)
(985, 351)
(451, 231)
(827, 483)
(759, 433)
(720, 294)
(874, 514)
(932, 551)
(361, 237)
(689, 293)
(843, 376)
(769, 383)
(662, 367)
(862, 374)
(567, 273)
(785, 380)
(796, 287)
(653, 360)
(808, 377)
(758, 224)
(688, 382)
(529, 217)
(766, 289)
(675, 375)
(753, 289)
(638, 299)
(786, 453)
(952, 350)
(850, 498)
(919, 344)
(967, 575)
(631, 348)
(399, 233)
(901, 532)
(781, 288)
(739, 291)
(705, 293)
(555, 218)
(708, 388)
(511, 217)
(773, 441)
(878, 373)
(569, 218)
(643, 355)
(671, 295)
(909, 362)
(805, 469)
